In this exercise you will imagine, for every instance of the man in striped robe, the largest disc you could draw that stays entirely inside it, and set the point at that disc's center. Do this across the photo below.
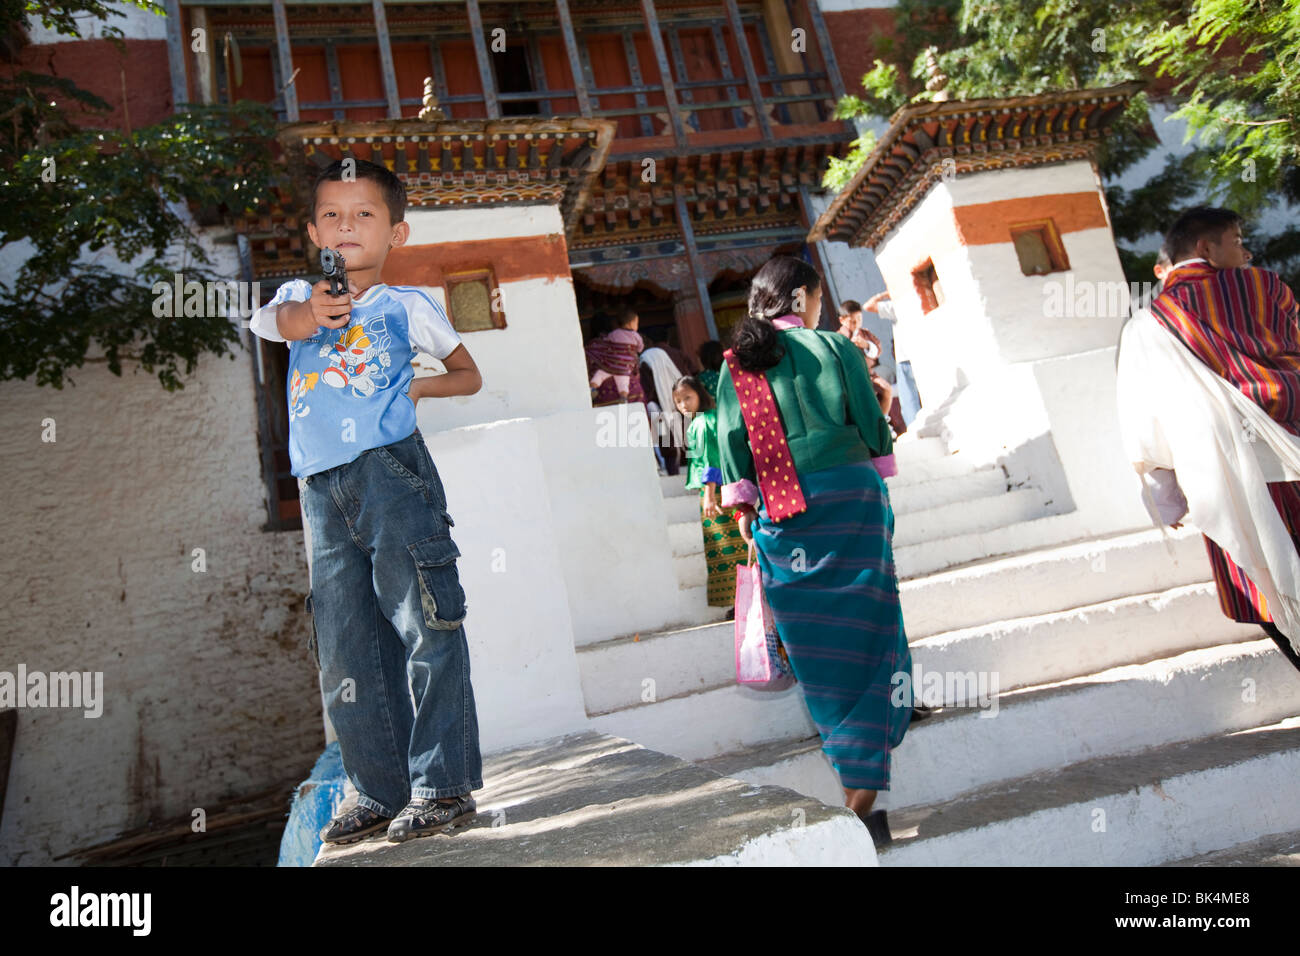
(1243, 324)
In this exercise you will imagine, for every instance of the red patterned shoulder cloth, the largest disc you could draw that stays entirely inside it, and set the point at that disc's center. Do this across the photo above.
(773, 463)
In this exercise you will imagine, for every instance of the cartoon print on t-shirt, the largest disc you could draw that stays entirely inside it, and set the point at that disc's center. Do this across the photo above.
(357, 358)
(299, 386)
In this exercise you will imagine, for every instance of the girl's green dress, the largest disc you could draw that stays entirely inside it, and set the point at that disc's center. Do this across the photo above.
(724, 548)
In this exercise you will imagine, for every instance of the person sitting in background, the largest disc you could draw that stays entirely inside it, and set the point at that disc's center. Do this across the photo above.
(711, 359)
(614, 359)
(851, 325)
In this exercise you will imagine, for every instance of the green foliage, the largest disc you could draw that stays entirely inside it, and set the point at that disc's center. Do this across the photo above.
(74, 199)
(1235, 66)
(63, 17)
(1237, 63)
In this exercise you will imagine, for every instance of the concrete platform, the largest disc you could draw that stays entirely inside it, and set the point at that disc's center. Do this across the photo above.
(594, 800)
(1169, 803)
(1280, 849)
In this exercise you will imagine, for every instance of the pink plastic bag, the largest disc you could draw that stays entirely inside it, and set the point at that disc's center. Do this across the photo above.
(761, 661)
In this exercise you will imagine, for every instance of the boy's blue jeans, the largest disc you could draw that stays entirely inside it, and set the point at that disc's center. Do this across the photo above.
(387, 610)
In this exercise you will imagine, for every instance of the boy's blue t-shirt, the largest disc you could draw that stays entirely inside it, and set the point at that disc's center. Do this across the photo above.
(347, 388)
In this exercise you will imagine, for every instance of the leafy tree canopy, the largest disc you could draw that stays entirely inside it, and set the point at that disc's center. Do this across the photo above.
(77, 200)
(1233, 67)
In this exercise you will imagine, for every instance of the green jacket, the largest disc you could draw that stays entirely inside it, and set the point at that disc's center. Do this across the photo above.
(702, 450)
(826, 402)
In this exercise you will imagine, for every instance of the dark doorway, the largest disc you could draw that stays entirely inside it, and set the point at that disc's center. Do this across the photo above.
(514, 76)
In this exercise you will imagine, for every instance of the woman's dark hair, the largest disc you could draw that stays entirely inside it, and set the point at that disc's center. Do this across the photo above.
(771, 295)
(710, 354)
(695, 385)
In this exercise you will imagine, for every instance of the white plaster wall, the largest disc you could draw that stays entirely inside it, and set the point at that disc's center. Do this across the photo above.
(520, 631)
(209, 689)
(611, 529)
(533, 367)
(1017, 304)
(1076, 176)
(953, 344)
(1031, 391)
(466, 224)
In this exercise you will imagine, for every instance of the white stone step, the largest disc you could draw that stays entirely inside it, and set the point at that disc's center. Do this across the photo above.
(1121, 710)
(695, 607)
(1068, 644)
(686, 538)
(968, 517)
(1174, 802)
(931, 469)
(799, 765)
(983, 483)
(692, 571)
(590, 800)
(1023, 652)
(1051, 579)
(678, 662)
(1124, 710)
(911, 450)
(674, 486)
(1277, 849)
(723, 720)
(682, 508)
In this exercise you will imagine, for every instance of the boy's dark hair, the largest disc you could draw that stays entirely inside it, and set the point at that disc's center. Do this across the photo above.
(849, 306)
(710, 354)
(392, 188)
(625, 315)
(1197, 223)
(695, 385)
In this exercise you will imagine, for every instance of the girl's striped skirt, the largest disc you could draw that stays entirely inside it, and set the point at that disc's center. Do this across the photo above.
(828, 574)
(724, 548)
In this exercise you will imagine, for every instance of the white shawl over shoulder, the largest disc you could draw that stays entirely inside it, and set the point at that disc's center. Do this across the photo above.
(1176, 413)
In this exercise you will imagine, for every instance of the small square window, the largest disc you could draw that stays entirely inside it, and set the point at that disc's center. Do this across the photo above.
(926, 281)
(474, 301)
(1039, 248)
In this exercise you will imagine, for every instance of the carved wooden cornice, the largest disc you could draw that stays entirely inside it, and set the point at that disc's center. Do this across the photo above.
(929, 142)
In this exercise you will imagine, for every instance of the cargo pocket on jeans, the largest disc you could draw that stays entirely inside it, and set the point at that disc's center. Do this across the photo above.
(313, 642)
(441, 596)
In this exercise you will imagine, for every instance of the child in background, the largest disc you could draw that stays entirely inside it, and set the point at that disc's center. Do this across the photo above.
(723, 546)
(615, 356)
(710, 354)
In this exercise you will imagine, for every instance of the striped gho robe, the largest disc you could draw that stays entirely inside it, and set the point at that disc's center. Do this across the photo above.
(1243, 324)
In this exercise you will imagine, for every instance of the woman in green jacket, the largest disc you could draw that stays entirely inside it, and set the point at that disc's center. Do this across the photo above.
(804, 447)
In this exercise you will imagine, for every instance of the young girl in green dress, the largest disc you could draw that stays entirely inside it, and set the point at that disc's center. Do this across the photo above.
(723, 546)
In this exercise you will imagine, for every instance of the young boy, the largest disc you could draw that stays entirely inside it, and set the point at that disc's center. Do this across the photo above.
(386, 598)
(1217, 315)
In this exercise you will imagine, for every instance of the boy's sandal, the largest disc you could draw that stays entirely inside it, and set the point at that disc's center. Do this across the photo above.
(355, 825)
(424, 817)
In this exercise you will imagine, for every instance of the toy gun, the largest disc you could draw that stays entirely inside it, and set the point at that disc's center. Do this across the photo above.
(335, 268)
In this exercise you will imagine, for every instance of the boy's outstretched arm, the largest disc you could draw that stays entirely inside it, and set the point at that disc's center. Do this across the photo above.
(461, 378)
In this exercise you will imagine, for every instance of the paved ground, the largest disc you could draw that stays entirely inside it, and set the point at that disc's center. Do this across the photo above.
(595, 800)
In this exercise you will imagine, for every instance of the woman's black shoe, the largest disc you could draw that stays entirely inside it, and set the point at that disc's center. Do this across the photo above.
(921, 712)
(878, 826)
